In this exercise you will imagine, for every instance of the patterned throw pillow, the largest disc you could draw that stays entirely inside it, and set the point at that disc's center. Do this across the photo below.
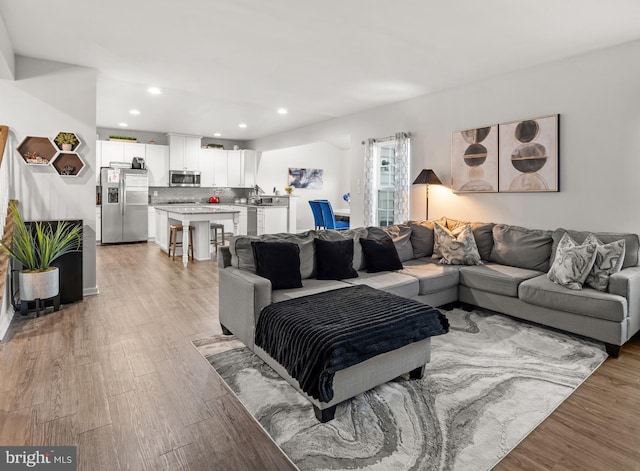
(437, 242)
(609, 259)
(573, 263)
(457, 250)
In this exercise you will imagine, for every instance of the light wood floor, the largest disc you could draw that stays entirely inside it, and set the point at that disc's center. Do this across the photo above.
(116, 375)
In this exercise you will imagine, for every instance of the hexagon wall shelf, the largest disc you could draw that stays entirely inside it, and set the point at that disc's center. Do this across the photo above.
(68, 164)
(37, 150)
(73, 147)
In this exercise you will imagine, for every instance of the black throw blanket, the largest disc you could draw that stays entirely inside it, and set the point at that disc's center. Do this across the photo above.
(314, 336)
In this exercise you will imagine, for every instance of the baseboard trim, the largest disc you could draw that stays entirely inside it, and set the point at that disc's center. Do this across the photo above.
(5, 321)
(90, 291)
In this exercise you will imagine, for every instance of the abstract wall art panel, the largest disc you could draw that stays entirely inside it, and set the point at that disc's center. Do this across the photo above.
(474, 160)
(529, 155)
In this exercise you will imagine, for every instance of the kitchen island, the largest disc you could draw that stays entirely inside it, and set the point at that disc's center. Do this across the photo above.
(198, 216)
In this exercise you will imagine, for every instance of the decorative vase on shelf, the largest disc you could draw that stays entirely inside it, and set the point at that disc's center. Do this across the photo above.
(67, 147)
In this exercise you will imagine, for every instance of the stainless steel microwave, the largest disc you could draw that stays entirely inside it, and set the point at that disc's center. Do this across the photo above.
(188, 178)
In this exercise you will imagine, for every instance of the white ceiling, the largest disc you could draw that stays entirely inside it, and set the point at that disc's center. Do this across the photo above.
(222, 62)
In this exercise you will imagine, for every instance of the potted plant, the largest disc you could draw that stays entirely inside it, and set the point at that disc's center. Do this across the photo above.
(66, 140)
(35, 248)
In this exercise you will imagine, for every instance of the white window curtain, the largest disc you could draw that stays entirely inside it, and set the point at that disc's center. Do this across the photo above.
(370, 168)
(403, 162)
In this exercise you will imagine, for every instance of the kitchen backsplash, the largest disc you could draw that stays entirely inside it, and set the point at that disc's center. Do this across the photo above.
(199, 195)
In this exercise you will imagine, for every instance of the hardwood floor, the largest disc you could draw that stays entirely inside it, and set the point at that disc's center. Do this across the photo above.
(117, 376)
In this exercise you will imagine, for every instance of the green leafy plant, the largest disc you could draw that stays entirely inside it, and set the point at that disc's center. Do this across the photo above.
(35, 248)
(66, 138)
(126, 138)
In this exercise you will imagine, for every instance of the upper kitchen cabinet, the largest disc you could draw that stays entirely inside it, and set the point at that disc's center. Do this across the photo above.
(113, 151)
(158, 165)
(219, 167)
(241, 168)
(206, 165)
(184, 152)
(132, 150)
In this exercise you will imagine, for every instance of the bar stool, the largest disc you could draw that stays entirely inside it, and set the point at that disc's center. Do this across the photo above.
(173, 242)
(215, 227)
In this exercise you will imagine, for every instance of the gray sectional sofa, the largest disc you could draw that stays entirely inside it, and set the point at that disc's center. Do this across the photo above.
(512, 279)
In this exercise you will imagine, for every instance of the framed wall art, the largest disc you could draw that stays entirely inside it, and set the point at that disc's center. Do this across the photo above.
(311, 178)
(529, 155)
(474, 160)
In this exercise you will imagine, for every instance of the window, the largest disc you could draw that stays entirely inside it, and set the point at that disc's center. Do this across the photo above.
(387, 180)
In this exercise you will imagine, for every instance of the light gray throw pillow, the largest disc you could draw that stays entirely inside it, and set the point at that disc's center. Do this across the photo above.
(457, 250)
(400, 234)
(573, 263)
(609, 258)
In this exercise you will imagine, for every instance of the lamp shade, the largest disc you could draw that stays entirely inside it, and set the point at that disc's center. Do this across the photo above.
(427, 177)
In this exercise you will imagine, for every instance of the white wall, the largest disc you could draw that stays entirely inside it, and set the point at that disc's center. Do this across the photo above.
(46, 98)
(7, 58)
(597, 96)
(274, 167)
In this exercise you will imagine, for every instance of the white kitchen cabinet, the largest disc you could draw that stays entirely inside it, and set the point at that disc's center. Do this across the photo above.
(272, 220)
(134, 149)
(235, 168)
(157, 162)
(151, 231)
(184, 152)
(98, 161)
(162, 229)
(250, 158)
(98, 223)
(220, 167)
(206, 165)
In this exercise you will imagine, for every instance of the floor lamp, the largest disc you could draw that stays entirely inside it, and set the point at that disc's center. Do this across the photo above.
(427, 177)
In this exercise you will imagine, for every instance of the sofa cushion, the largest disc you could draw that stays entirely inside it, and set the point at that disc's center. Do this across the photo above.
(457, 250)
(573, 263)
(631, 242)
(392, 282)
(521, 247)
(356, 234)
(279, 262)
(334, 259)
(609, 258)
(242, 253)
(422, 236)
(400, 234)
(482, 232)
(380, 255)
(496, 278)
(541, 291)
(432, 277)
(309, 286)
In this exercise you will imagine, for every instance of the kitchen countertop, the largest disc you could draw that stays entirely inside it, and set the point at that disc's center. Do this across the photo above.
(213, 205)
(193, 209)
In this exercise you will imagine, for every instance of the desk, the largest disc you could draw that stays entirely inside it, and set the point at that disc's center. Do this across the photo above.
(200, 217)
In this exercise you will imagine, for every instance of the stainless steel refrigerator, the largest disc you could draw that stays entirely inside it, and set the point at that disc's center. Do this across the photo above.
(125, 195)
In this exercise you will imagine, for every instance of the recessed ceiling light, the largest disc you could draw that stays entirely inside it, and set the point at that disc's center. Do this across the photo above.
(123, 125)
(242, 125)
(136, 112)
(216, 134)
(154, 90)
(282, 111)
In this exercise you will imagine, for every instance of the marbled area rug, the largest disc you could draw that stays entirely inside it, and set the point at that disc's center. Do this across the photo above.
(491, 381)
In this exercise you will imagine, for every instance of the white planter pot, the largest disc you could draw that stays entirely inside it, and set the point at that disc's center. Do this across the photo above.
(39, 285)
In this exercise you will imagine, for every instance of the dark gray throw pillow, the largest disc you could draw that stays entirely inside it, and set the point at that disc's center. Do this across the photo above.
(380, 255)
(334, 259)
(279, 262)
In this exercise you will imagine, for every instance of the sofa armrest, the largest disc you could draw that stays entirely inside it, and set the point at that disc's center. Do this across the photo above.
(241, 298)
(627, 283)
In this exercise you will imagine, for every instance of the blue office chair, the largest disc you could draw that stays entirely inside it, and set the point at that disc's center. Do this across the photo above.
(317, 215)
(330, 218)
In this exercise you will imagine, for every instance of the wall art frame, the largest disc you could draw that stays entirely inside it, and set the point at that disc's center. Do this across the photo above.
(309, 178)
(474, 160)
(529, 152)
